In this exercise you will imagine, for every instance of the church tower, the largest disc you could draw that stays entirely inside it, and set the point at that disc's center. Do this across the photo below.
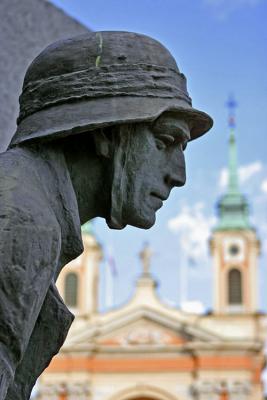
(79, 280)
(234, 244)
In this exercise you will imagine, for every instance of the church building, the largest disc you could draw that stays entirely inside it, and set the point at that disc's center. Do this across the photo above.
(147, 350)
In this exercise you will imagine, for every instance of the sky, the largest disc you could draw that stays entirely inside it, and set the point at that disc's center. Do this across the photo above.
(221, 47)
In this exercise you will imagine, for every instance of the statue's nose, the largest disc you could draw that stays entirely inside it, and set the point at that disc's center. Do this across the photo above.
(176, 178)
(175, 173)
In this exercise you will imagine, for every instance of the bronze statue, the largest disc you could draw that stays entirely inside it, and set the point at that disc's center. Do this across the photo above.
(104, 119)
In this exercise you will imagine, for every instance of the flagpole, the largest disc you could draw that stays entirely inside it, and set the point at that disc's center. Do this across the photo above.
(110, 274)
(109, 289)
(183, 276)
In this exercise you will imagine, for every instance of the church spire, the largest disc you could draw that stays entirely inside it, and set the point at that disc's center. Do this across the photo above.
(232, 207)
(232, 166)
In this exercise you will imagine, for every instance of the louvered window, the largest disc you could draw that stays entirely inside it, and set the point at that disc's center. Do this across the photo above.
(235, 286)
(71, 289)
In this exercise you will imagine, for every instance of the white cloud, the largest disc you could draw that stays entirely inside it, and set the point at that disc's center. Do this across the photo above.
(245, 172)
(264, 186)
(223, 8)
(194, 230)
(236, 3)
(223, 179)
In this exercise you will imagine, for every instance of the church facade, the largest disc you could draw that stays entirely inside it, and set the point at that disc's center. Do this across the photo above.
(146, 350)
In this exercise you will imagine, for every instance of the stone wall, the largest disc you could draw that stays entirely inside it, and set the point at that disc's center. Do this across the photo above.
(27, 26)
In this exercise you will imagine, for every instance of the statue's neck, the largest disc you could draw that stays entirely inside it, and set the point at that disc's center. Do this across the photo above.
(90, 184)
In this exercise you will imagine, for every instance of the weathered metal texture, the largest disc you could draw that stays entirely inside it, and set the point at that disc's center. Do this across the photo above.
(122, 172)
(99, 79)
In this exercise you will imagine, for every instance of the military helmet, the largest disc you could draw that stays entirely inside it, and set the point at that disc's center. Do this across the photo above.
(101, 79)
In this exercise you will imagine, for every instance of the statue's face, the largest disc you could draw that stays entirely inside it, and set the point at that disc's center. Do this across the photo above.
(155, 164)
(126, 173)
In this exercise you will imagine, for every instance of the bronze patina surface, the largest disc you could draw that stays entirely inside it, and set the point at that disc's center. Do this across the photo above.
(104, 120)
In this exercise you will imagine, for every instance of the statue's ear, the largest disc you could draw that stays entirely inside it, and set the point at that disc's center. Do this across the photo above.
(103, 143)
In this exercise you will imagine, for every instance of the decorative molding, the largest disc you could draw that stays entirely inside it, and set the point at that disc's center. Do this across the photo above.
(74, 391)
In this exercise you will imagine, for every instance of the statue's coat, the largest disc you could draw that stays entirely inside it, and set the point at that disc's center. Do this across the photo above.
(39, 234)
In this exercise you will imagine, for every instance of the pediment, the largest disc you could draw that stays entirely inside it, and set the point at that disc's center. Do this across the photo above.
(143, 332)
(141, 327)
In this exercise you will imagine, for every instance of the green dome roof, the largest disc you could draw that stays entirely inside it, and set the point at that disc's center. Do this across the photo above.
(233, 210)
(87, 228)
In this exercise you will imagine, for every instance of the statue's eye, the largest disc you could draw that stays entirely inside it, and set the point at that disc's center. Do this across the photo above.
(164, 141)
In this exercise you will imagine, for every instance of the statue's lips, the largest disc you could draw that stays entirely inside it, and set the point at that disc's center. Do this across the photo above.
(158, 199)
(162, 197)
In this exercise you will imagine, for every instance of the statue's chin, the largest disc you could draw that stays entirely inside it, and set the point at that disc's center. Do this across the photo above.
(133, 219)
(113, 224)
(139, 224)
(144, 223)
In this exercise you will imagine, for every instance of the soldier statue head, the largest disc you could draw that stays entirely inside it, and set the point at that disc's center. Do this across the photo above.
(117, 105)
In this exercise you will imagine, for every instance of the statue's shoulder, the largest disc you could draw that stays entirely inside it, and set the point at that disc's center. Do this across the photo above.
(12, 172)
(22, 199)
(13, 164)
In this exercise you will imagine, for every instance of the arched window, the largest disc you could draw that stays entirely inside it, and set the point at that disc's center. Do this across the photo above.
(235, 287)
(71, 289)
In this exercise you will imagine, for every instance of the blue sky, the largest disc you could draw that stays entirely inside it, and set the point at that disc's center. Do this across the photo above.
(221, 46)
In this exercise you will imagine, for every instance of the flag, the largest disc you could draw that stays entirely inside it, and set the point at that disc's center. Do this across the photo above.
(110, 260)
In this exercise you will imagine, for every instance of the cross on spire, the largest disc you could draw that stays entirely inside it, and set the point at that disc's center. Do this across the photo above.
(232, 168)
(231, 105)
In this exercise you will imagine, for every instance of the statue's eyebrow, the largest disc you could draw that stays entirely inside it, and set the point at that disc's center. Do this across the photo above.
(174, 128)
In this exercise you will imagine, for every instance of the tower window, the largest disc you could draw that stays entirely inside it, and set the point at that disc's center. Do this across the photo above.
(71, 289)
(235, 286)
(233, 250)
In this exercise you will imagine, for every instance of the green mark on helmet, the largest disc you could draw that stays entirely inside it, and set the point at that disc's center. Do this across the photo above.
(100, 47)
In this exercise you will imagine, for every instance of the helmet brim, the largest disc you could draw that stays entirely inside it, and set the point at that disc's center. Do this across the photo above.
(72, 118)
